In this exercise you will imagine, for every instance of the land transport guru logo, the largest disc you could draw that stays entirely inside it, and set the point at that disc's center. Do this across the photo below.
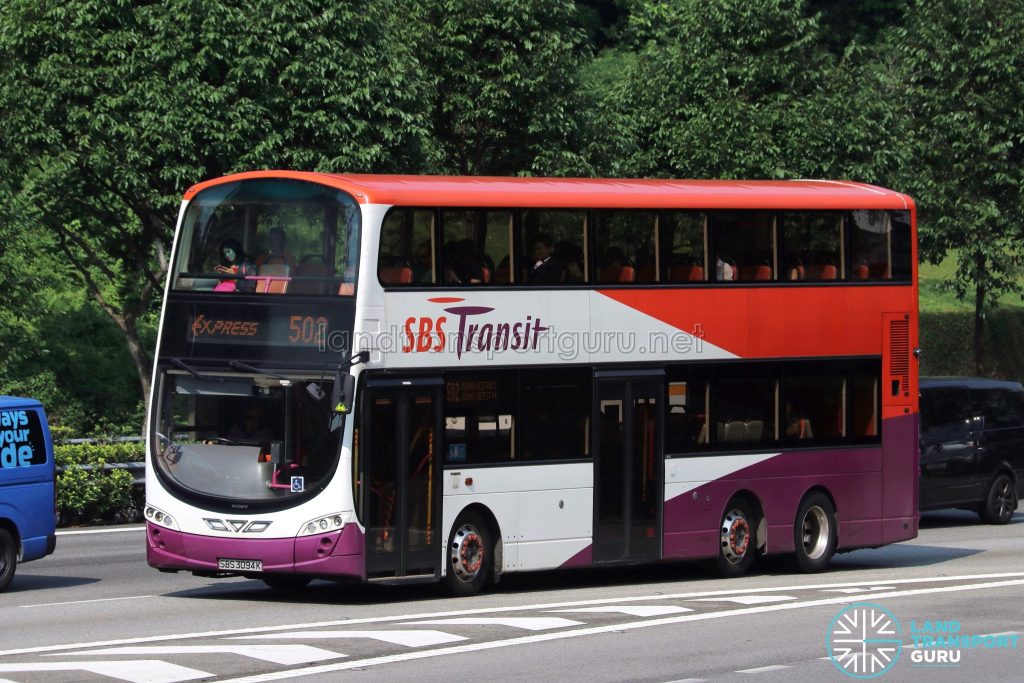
(864, 640)
(422, 334)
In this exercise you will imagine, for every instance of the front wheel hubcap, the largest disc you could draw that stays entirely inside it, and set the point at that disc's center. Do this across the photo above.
(735, 536)
(467, 552)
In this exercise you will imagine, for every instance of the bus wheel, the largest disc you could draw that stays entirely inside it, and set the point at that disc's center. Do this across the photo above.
(285, 583)
(470, 555)
(815, 533)
(8, 558)
(737, 545)
(1001, 500)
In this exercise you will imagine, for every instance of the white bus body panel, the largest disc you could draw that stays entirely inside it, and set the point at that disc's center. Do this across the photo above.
(545, 511)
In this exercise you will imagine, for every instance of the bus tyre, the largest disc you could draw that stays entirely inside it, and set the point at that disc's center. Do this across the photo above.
(470, 555)
(8, 558)
(285, 583)
(815, 533)
(737, 545)
(1001, 500)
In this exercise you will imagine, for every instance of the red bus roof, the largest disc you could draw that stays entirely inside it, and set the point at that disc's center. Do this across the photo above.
(596, 193)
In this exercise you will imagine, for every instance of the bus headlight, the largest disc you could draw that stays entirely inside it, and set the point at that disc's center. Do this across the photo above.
(157, 516)
(323, 525)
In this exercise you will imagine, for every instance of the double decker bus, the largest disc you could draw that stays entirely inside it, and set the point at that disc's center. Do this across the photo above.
(398, 378)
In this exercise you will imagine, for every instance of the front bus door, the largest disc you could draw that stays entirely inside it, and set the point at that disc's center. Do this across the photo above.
(399, 473)
(628, 468)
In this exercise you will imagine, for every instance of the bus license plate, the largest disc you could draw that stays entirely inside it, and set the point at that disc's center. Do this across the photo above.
(240, 565)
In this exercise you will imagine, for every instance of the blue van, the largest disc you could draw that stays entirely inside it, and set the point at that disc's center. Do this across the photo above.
(27, 511)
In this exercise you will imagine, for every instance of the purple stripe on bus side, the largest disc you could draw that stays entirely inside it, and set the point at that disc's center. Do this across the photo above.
(870, 487)
(584, 558)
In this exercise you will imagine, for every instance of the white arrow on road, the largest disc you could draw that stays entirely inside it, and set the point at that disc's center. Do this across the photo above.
(279, 654)
(748, 599)
(528, 623)
(407, 638)
(138, 671)
(632, 610)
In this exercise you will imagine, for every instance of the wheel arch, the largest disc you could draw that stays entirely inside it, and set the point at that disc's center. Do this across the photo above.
(761, 532)
(9, 526)
(492, 525)
(819, 488)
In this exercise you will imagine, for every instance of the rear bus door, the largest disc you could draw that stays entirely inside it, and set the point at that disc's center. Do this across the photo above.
(628, 467)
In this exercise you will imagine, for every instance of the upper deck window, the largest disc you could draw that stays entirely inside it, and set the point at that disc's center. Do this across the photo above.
(880, 245)
(269, 237)
(744, 246)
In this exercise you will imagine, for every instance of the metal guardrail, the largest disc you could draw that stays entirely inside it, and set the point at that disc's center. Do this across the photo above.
(138, 470)
(116, 439)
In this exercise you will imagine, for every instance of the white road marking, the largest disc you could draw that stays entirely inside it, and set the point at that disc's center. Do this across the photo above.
(83, 532)
(528, 623)
(421, 638)
(689, 680)
(499, 610)
(286, 655)
(748, 599)
(633, 610)
(82, 602)
(851, 591)
(138, 671)
(764, 669)
(596, 630)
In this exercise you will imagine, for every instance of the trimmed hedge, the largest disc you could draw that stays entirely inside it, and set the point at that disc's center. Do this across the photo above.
(87, 492)
(947, 339)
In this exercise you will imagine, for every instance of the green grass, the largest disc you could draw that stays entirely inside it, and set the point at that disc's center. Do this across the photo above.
(947, 329)
(936, 295)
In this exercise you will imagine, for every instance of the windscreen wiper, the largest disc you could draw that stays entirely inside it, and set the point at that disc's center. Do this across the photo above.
(239, 365)
(180, 364)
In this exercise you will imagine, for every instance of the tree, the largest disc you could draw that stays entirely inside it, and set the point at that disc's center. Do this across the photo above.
(112, 109)
(959, 67)
(737, 89)
(506, 77)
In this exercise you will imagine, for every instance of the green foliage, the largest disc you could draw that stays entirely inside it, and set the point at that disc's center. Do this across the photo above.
(959, 64)
(506, 79)
(736, 89)
(86, 492)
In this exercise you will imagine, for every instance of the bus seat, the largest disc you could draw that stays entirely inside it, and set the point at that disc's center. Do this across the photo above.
(273, 278)
(752, 430)
(487, 274)
(703, 436)
(395, 275)
(647, 273)
(735, 430)
(346, 289)
(627, 274)
(861, 271)
(310, 267)
(755, 272)
(829, 272)
(686, 273)
(879, 271)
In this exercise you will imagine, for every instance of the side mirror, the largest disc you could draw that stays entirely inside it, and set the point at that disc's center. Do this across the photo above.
(342, 393)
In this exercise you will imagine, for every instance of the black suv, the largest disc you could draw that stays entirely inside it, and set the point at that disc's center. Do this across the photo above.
(972, 446)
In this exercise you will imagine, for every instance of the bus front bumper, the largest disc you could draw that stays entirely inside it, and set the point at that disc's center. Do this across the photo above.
(335, 554)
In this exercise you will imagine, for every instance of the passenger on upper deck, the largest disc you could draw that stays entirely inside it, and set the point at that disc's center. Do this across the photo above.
(233, 261)
(277, 251)
(546, 268)
(464, 266)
